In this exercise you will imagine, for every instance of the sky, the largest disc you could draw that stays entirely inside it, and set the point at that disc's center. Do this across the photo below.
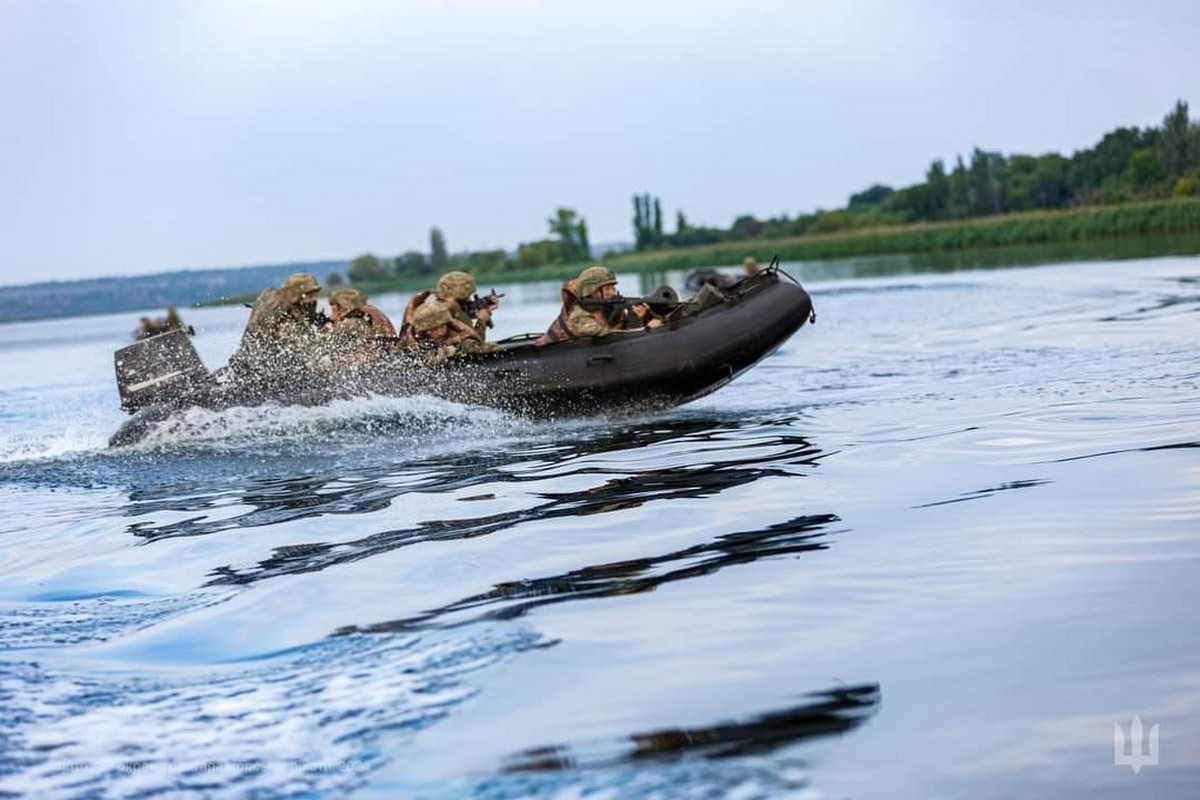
(147, 136)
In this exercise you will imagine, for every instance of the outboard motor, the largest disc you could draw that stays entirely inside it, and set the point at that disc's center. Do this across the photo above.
(158, 369)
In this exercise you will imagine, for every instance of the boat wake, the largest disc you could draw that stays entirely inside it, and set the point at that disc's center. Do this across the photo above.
(410, 418)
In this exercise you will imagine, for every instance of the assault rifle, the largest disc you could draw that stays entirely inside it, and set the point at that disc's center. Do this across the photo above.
(662, 300)
(474, 305)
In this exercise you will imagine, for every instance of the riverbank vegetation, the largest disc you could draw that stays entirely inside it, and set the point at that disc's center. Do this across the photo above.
(1133, 182)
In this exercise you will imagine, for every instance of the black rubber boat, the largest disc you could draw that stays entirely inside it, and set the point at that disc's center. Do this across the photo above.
(714, 337)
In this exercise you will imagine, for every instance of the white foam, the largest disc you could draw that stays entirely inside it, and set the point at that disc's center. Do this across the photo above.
(410, 417)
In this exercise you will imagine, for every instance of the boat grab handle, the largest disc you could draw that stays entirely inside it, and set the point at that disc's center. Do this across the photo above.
(603, 359)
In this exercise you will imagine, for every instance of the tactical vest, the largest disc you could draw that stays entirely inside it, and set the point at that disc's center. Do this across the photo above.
(379, 321)
(558, 331)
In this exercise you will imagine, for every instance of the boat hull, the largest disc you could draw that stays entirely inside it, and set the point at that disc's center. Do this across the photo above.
(684, 359)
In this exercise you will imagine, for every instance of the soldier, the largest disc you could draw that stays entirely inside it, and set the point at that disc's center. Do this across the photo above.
(359, 330)
(349, 308)
(606, 315)
(174, 322)
(437, 335)
(456, 291)
(281, 334)
(148, 327)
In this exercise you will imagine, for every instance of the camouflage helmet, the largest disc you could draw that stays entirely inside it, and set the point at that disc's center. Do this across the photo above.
(593, 278)
(457, 285)
(430, 315)
(297, 285)
(348, 299)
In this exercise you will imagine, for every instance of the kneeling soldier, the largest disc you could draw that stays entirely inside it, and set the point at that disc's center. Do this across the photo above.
(437, 335)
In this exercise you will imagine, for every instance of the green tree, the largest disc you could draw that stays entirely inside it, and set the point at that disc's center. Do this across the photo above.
(870, 198)
(937, 195)
(985, 182)
(367, 267)
(1186, 187)
(413, 264)
(439, 258)
(643, 230)
(585, 246)
(571, 233)
(680, 223)
(480, 262)
(1107, 161)
(960, 191)
(1051, 188)
(1145, 169)
(647, 222)
(745, 227)
(539, 253)
(1176, 144)
(334, 279)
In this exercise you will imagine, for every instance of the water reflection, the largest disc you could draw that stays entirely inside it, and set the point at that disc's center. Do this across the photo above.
(612, 495)
(508, 601)
(332, 487)
(720, 456)
(828, 713)
(1189, 303)
(981, 493)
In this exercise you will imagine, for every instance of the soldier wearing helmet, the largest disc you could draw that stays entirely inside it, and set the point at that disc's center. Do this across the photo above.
(349, 308)
(577, 322)
(437, 335)
(456, 291)
(281, 334)
(359, 331)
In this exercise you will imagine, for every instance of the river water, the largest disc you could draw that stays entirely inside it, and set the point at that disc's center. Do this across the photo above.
(943, 543)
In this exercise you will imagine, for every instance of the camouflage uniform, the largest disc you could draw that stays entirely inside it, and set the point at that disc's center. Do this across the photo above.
(576, 322)
(452, 289)
(359, 332)
(437, 335)
(353, 305)
(281, 335)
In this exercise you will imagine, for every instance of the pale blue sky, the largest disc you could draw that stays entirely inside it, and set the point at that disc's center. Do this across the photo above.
(159, 135)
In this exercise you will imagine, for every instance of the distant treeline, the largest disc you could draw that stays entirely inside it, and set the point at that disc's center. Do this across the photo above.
(1151, 218)
(145, 292)
(1127, 165)
(966, 205)
(1133, 182)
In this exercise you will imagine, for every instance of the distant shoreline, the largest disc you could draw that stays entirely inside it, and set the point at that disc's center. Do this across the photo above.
(982, 237)
(1121, 231)
(1029, 228)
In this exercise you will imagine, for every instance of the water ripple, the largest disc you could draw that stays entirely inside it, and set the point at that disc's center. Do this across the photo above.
(303, 722)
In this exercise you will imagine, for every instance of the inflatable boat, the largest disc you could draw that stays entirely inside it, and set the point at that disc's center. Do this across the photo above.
(705, 343)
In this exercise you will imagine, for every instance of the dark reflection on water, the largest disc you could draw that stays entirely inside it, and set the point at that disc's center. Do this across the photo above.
(1151, 449)
(981, 493)
(735, 457)
(1162, 303)
(827, 713)
(613, 495)
(289, 498)
(512, 600)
